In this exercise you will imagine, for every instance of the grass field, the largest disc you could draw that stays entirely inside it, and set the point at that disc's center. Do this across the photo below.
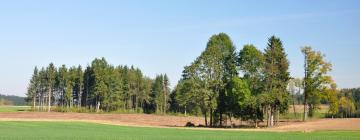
(90, 131)
(320, 113)
(14, 108)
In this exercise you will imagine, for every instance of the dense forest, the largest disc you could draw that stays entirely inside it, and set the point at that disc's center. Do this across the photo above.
(220, 84)
(100, 87)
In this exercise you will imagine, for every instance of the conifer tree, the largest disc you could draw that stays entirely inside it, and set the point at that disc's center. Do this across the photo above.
(276, 78)
(33, 88)
(50, 78)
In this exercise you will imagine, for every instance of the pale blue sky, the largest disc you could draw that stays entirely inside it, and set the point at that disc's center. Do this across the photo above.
(163, 36)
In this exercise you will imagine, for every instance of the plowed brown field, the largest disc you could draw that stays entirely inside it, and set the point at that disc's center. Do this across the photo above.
(322, 124)
(117, 119)
(148, 120)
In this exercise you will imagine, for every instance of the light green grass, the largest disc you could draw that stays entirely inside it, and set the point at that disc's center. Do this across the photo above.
(91, 131)
(299, 116)
(14, 108)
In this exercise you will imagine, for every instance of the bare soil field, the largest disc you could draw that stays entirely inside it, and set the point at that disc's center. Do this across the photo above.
(148, 120)
(322, 124)
(117, 119)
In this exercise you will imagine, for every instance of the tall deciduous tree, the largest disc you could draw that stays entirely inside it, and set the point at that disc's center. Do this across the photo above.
(316, 69)
(210, 73)
(193, 92)
(251, 64)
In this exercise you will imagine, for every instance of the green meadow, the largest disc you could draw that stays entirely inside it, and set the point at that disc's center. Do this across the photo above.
(14, 130)
(14, 108)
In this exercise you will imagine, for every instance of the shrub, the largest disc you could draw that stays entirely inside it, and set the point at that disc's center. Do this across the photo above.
(189, 124)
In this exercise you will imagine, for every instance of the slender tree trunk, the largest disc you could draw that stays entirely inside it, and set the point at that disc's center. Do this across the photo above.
(165, 102)
(34, 102)
(72, 99)
(255, 123)
(133, 102)
(44, 106)
(294, 107)
(62, 98)
(271, 117)
(186, 112)
(41, 102)
(97, 106)
(79, 97)
(157, 108)
(211, 117)
(141, 105)
(221, 118)
(136, 103)
(277, 116)
(49, 100)
(305, 112)
(206, 122)
(124, 106)
(130, 103)
(38, 107)
(305, 88)
(268, 116)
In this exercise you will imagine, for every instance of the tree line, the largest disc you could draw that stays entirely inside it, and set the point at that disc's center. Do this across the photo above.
(12, 100)
(100, 87)
(221, 84)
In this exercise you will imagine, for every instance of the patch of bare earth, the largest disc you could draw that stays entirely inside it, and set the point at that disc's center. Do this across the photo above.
(352, 124)
(116, 119)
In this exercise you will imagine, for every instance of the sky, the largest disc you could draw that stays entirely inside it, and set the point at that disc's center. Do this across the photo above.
(162, 36)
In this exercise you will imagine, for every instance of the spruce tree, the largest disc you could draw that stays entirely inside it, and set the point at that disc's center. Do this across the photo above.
(276, 78)
(33, 88)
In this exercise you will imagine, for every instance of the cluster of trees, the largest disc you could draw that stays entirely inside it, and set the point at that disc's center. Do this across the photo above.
(347, 103)
(100, 87)
(221, 84)
(251, 85)
(319, 88)
(212, 83)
